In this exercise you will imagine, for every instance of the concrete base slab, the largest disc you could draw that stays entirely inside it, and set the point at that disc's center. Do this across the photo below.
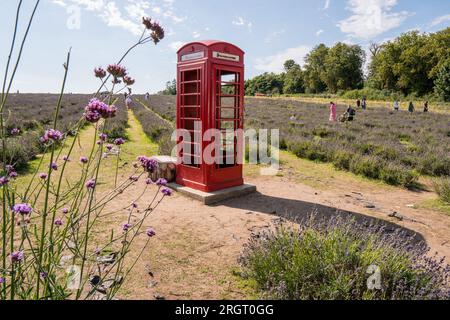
(209, 198)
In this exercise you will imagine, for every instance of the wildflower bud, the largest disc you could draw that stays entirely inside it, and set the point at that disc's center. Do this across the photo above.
(90, 184)
(166, 192)
(51, 134)
(2, 280)
(161, 182)
(43, 176)
(151, 232)
(54, 166)
(128, 80)
(100, 73)
(84, 160)
(117, 70)
(22, 209)
(4, 181)
(65, 211)
(16, 256)
(58, 222)
(150, 165)
(119, 141)
(126, 227)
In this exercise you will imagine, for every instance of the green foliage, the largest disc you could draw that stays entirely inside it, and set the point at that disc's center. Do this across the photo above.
(315, 68)
(332, 260)
(343, 67)
(171, 88)
(267, 83)
(442, 188)
(410, 63)
(442, 83)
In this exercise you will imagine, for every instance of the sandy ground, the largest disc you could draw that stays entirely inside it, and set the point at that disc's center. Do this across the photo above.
(197, 246)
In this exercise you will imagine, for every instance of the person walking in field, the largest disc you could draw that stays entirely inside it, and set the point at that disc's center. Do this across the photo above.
(411, 107)
(425, 107)
(396, 105)
(364, 103)
(358, 103)
(351, 113)
(333, 112)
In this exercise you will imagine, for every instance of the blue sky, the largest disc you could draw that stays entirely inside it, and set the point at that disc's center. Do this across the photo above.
(269, 31)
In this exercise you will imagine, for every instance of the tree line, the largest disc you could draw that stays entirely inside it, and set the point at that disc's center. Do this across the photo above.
(413, 64)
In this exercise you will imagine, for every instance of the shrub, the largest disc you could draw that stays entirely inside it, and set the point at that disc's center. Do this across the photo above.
(442, 187)
(366, 166)
(398, 175)
(342, 159)
(333, 260)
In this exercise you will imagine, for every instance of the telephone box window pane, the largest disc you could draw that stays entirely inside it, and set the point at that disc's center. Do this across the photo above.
(191, 75)
(227, 113)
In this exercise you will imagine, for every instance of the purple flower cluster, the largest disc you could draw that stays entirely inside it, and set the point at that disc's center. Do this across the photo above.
(90, 184)
(119, 141)
(97, 109)
(166, 192)
(84, 160)
(15, 132)
(103, 137)
(126, 227)
(117, 71)
(99, 73)
(22, 208)
(58, 222)
(51, 134)
(128, 80)
(4, 180)
(150, 165)
(54, 166)
(161, 182)
(151, 232)
(43, 176)
(16, 256)
(157, 32)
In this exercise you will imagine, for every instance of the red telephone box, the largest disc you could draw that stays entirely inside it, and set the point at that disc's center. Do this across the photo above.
(210, 95)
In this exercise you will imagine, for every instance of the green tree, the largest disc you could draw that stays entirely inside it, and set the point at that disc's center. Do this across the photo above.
(171, 88)
(442, 83)
(293, 78)
(315, 69)
(344, 67)
(267, 83)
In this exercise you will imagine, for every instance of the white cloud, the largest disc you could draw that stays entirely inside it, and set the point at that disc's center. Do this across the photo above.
(440, 20)
(128, 14)
(327, 4)
(319, 32)
(371, 18)
(195, 35)
(241, 22)
(275, 62)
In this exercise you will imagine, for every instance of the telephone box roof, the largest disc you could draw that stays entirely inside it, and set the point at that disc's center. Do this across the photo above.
(210, 43)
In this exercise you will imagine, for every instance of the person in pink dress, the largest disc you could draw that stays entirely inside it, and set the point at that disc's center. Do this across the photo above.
(333, 112)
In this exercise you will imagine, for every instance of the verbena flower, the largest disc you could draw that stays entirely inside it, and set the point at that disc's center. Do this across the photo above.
(117, 71)
(166, 192)
(13, 174)
(66, 158)
(9, 168)
(54, 166)
(22, 208)
(161, 182)
(97, 109)
(15, 132)
(90, 184)
(58, 222)
(103, 136)
(119, 141)
(2, 280)
(148, 181)
(43, 274)
(109, 147)
(126, 227)
(43, 176)
(65, 210)
(17, 256)
(99, 73)
(128, 80)
(4, 180)
(84, 160)
(134, 178)
(150, 165)
(151, 232)
(157, 33)
(134, 205)
(51, 134)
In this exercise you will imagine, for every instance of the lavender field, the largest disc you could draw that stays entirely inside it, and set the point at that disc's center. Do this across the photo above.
(380, 144)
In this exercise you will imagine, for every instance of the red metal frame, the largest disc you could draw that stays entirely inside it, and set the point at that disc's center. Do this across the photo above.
(209, 58)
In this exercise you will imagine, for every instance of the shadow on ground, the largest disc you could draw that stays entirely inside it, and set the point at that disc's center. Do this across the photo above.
(298, 211)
